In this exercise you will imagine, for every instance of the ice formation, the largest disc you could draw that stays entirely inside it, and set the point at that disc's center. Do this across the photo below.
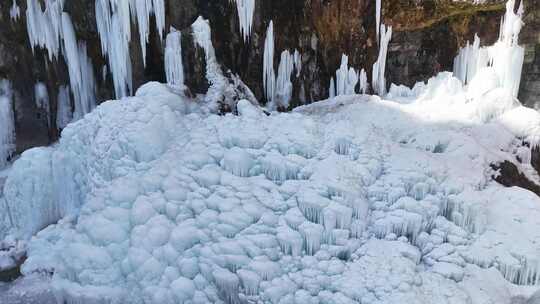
(378, 6)
(64, 112)
(152, 199)
(246, 10)
(346, 78)
(14, 11)
(505, 57)
(283, 85)
(269, 76)
(41, 96)
(174, 68)
(7, 124)
(161, 203)
(364, 86)
(379, 67)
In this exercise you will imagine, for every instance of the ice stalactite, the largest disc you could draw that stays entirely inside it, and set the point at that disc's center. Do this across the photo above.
(64, 112)
(174, 68)
(378, 6)
(246, 10)
(269, 77)
(363, 82)
(346, 78)
(81, 73)
(332, 90)
(379, 67)
(159, 13)
(15, 11)
(7, 122)
(505, 57)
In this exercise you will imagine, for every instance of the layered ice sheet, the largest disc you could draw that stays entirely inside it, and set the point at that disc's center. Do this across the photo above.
(353, 199)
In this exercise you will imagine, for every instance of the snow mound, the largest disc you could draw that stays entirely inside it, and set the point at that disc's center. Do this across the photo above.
(353, 199)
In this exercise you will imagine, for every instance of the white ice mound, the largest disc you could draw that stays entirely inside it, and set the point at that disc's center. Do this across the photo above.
(354, 199)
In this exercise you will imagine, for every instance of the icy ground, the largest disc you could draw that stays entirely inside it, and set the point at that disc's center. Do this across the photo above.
(349, 200)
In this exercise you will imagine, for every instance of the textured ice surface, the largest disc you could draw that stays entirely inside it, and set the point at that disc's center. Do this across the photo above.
(7, 123)
(353, 199)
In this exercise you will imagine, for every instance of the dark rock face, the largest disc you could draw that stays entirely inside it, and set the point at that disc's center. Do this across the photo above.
(510, 176)
(427, 35)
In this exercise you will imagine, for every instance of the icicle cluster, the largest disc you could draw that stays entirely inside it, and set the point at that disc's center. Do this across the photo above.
(279, 91)
(505, 57)
(347, 79)
(7, 123)
(378, 6)
(114, 28)
(379, 67)
(174, 68)
(63, 112)
(81, 73)
(52, 30)
(44, 27)
(15, 11)
(246, 10)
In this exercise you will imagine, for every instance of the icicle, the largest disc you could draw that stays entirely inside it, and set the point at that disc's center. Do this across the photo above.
(246, 10)
(269, 78)
(64, 113)
(15, 11)
(159, 12)
(7, 123)
(363, 82)
(297, 63)
(379, 67)
(332, 91)
(378, 6)
(174, 68)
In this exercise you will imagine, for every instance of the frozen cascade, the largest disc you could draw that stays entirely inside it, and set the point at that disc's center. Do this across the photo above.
(218, 83)
(7, 122)
(15, 11)
(346, 78)
(246, 10)
(379, 67)
(505, 57)
(269, 76)
(64, 113)
(174, 68)
(283, 87)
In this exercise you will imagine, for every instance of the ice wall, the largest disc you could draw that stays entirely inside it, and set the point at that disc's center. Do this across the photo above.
(7, 122)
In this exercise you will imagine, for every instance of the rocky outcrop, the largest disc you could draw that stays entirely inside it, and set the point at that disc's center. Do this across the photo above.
(427, 35)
